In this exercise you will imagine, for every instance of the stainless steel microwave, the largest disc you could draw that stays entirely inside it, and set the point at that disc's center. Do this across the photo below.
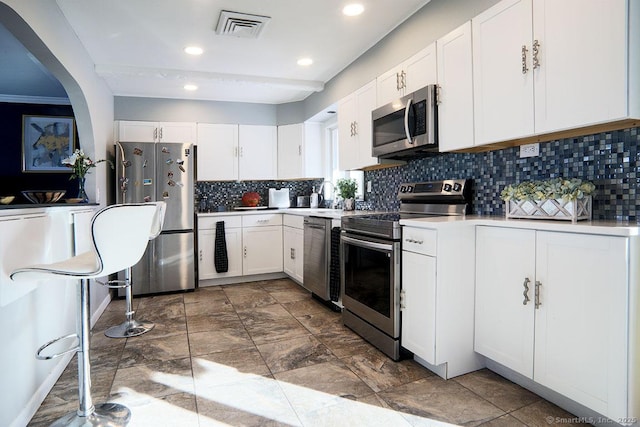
(406, 127)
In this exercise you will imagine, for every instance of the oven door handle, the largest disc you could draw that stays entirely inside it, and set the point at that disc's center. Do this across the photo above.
(406, 121)
(367, 244)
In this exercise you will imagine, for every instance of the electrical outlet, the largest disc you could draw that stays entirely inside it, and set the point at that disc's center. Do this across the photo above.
(368, 186)
(529, 150)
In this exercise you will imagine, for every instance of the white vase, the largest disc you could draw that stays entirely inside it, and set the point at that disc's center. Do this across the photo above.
(349, 204)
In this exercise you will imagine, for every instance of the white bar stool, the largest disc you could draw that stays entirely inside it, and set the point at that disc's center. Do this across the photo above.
(120, 234)
(132, 327)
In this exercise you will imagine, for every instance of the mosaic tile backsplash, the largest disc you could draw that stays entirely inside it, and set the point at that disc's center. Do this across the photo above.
(610, 160)
(214, 196)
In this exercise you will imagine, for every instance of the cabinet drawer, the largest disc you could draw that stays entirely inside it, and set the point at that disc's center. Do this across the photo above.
(419, 240)
(261, 220)
(209, 222)
(295, 221)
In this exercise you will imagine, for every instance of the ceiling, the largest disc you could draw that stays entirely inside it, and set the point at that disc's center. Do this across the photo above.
(137, 46)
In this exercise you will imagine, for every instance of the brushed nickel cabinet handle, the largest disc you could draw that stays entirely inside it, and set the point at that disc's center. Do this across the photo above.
(245, 251)
(537, 294)
(524, 59)
(526, 291)
(536, 51)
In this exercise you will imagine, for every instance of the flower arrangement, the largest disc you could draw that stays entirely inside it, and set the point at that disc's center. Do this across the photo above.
(347, 187)
(557, 188)
(80, 164)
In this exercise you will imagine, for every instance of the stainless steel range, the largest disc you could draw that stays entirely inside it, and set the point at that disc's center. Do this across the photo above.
(370, 257)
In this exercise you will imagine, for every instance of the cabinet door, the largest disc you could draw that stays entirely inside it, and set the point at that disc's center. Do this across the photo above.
(389, 86)
(290, 151)
(258, 152)
(419, 305)
(184, 132)
(217, 152)
(503, 90)
(262, 250)
(206, 251)
(577, 60)
(134, 131)
(505, 259)
(421, 69)
(347, 141)
(293, 244)
(580, 342)
(365, 99)
(455, 96)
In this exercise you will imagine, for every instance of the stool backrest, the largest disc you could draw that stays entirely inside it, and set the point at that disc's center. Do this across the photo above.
(121, 234)
(158, 220)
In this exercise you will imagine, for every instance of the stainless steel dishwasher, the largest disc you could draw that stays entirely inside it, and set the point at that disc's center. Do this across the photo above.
(317, 256)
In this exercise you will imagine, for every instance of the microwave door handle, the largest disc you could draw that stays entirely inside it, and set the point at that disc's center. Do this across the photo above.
(406, 121)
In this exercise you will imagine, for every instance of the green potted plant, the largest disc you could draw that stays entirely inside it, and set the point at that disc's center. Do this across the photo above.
(347, 188)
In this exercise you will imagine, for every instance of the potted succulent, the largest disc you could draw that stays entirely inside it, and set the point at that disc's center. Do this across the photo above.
(347, 188)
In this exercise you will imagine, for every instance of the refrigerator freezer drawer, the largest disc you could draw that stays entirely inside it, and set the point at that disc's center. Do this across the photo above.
(167, 265)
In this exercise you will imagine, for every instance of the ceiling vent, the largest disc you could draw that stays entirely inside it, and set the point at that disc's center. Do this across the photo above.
(241, 24)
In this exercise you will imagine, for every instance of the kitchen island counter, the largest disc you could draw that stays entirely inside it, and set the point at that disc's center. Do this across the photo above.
(321, 212)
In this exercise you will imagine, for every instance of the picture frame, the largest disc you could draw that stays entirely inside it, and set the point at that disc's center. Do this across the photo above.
(46, 141)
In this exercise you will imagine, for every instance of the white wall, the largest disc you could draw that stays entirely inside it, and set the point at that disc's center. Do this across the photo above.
(24, 381)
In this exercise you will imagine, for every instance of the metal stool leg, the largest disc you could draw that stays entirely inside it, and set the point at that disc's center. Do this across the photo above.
(130, 327)
(106, 414)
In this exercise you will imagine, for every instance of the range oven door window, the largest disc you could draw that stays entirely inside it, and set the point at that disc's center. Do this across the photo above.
(371, 281)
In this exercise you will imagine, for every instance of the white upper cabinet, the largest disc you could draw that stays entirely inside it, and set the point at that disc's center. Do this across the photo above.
(232, 152)
(137, 131)
(354, 128)
(502, 78)
(217, 152)
(258, 147)
(299, 151)
(581, 76)
(541, 66)
(455, 89)
(413, 74)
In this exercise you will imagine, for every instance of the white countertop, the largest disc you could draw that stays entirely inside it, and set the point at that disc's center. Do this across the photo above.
(610, 228)
(321, 212)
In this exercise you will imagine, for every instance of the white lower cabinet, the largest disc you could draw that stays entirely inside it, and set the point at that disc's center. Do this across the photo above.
(437, 299)
(293, 246)
(206, 246)
(554, 308)
(253, 244)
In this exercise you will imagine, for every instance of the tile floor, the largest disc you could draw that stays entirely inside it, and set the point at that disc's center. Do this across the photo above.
(266, 354)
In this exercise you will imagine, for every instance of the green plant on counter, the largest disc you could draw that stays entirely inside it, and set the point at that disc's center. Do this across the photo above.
(557, 188)
(347, 188)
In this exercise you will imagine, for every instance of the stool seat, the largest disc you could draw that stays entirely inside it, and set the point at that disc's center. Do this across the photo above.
(134, 327)
(120, 234)
(86, 265)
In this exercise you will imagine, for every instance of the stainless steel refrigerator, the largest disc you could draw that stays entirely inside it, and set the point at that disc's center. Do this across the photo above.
(147, 172)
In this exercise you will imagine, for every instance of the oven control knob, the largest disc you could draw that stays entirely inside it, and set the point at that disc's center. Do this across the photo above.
(409, 188)
(403, 189)
(447, 187)
(457, 186)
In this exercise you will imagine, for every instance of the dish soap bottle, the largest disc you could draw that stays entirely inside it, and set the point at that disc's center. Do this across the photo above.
(314, 199)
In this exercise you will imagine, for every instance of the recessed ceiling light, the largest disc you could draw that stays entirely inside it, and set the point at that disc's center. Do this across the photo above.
(305, 61)
(353, 9)
(193, 50)
(190, 87)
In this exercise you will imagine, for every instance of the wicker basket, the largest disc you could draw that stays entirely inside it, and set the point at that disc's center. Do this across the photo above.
(568, 210)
